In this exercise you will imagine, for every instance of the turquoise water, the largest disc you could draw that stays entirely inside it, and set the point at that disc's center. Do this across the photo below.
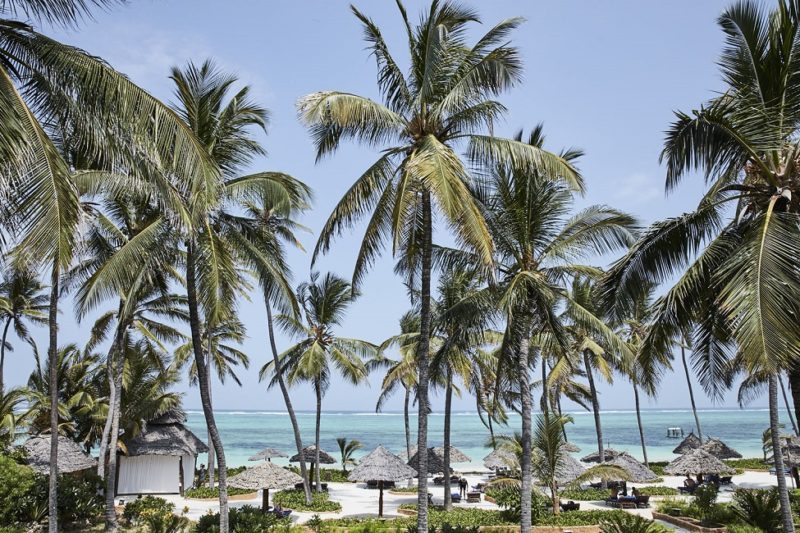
(246, 432)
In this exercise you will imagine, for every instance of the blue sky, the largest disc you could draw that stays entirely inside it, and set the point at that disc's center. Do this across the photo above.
(602, 76)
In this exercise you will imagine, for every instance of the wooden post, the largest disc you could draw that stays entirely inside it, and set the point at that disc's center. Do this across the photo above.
(265, 500)
(380, 499)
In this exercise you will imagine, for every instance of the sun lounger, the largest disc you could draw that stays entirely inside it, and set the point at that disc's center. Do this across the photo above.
(570, 506)
(372, 484)
(455, 497)
(473, 497)
(643, 501)
(438, 480)
(726, 480)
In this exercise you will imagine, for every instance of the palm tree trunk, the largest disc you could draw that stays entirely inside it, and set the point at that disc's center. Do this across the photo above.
(202, 378)
(211, 451)
(318, 392)
(3, 351)
(287, 400)
(52, 493)
(407, 421)
(422, 364)
(560, 414)
(691, 392)
(598, 426)
(774, 425)
(526, 412)
(111, 479)
(794, 388)
(545, 391)
(639, 421)
(785, 402)
(448, 403)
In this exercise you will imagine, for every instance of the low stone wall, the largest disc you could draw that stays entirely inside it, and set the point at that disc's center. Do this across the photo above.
(687, 523)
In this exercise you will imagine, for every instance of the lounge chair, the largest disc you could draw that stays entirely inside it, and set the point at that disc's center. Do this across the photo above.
(455, 497)
(613, 500)
(438, 480)
(372, 484)
(430, 498)
(627, 502)
(689, 486)
(726, 480)
(479, 487)
(570, 506)
(474, 497)
(643, 501)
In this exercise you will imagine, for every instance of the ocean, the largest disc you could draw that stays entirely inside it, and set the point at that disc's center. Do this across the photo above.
(246, 432)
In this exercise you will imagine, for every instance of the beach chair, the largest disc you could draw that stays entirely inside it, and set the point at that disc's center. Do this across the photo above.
(438, 480)
(455, 497)
(726, 480)
(474, 497)
(430, 498)
(643, 501)
(689, 486)
(570, 506)
(372, 484)
(613, 500)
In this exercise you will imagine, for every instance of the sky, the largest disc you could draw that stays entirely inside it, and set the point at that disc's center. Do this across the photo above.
(602, 76)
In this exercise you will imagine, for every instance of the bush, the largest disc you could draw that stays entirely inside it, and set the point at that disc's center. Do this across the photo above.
(629, 523)
(658, 467)
(135, 509)
(296, 499)
(405, 490)
(245, 519)
(704, 498)
(331, 475)
(204, 493)
(508, 498)
(79, 498)
(668, 504)
(759, 508)
(584, 494)
(581, 518)
(751, 463)
(659, 490)
(742, 528)
(18, 489)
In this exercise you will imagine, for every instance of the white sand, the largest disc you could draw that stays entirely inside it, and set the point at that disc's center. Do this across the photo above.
(357, 500)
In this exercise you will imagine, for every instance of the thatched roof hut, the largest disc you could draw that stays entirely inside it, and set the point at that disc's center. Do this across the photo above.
(309, 454)
(265, 476)
(161, 459)
(608, 453)
(436, 459)
(381, 465)
(571, 447)
(166, 435)
(637, 472)
(567, 469)
(500, 458)
(268, 454)
(691, 442)
(71, 457)
(698, 462)
(720, 450)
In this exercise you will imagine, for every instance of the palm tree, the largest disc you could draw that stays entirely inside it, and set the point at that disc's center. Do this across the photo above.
(346, 449)
(12, 417)
(221, 356)
(444, 102)
(538, 247)
(320, 351)
(25, 302)
(737, 285)
(401, 372)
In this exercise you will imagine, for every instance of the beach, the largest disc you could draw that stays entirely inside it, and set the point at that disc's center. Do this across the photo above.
(246, 432)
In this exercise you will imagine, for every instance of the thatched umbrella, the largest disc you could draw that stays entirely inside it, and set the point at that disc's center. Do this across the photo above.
(608, 453)
(436, 459)
(310, 456)
(570, 447)
(568, 469)
(720, 450)
(268, 454)
(71, 457)
(697, 463)
(264, 476)
(381, 465)
(691, 442)
(637, 471)
(499, 458)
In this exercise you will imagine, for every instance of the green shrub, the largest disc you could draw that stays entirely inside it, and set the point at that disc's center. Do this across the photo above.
(668, 504)
(79, 498)
(329, 475)
(704, 498)
(405, 490)
(584, 494)
(18, 489)
(135, 509)
(658, 490)
(161, 522)
(245, 519)
(507, 497)
(296, 499)
(743, 528)
(658, 467)
(759, 508)
(629, 523)
(580, 518)
(208, 493)
(750, 463)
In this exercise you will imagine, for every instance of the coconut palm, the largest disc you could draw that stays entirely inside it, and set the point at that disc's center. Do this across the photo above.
(444, 101)
(320, 351)
(346, 449)
(12, 416)
(25, 303)
(737, 284)
(222, 359)
(538, 247)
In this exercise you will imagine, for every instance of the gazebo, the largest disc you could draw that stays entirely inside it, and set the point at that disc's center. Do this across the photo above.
(310, 456)
(381, 465)
(71, 457)
(608, 453)
(268, 454)
(637, 472)
(265, 476)
(161, 459)
(720, 450)
(691, 442)
(436, 459)
(698, 463)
